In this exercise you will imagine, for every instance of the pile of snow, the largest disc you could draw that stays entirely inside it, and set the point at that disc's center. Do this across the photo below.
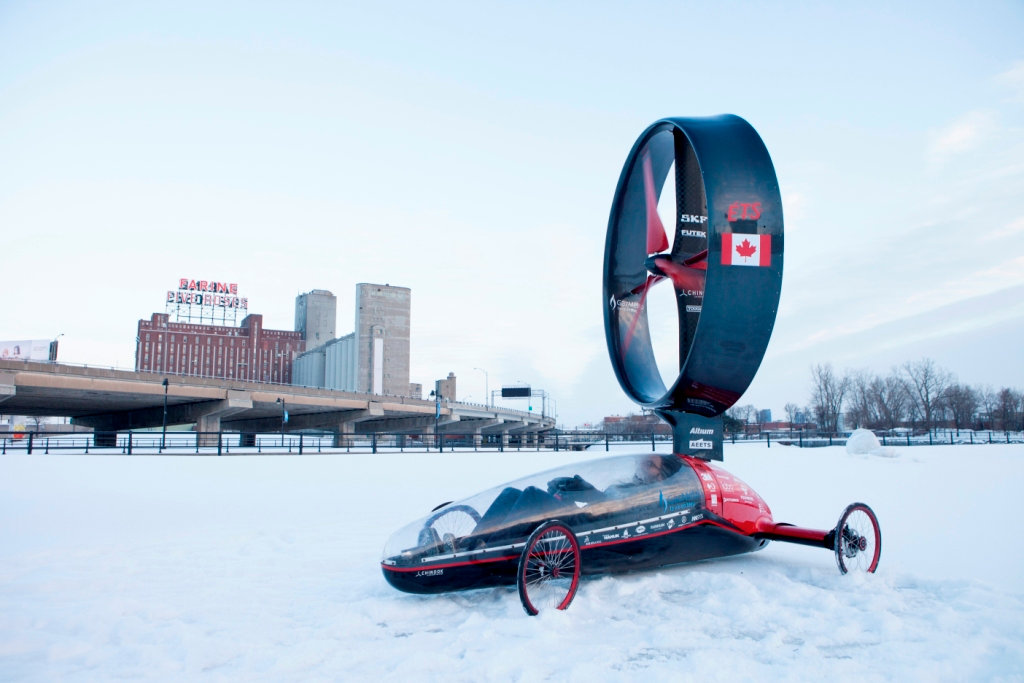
(266, 568)
(864, 442)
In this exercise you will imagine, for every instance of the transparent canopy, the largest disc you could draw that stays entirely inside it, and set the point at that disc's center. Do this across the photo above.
(586, 496)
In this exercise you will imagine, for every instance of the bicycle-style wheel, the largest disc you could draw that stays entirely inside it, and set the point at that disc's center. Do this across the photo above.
(452, 524)
(549, 568)
(858, 540)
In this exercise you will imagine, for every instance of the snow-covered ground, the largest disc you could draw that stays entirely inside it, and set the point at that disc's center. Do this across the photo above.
(266, 568)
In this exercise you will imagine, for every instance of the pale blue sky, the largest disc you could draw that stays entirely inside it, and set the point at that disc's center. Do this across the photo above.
(470, 152)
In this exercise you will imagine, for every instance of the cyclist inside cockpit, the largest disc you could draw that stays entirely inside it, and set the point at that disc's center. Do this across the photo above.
(514, 508)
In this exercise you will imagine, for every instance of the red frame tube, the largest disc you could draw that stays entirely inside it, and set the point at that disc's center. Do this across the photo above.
(788, 533)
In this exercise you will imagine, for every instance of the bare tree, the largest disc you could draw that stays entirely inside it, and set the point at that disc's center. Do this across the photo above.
(862, 404)
(1007, 409)
(987, 399)
(744, 414)
(962, 403)
(791, 410)
(891, 399)
(926, 382)
(828, 391)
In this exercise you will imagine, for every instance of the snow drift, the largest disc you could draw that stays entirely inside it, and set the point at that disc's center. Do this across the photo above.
(864, 442)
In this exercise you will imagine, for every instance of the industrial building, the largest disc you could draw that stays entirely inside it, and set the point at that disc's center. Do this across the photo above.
(374, 358)
(203, 340)
(246, 352)
(315, 315)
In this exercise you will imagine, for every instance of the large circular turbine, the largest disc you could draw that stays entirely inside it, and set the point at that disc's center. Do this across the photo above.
(725, 265)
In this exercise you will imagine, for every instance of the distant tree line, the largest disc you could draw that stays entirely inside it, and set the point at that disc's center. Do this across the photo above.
(918, 395)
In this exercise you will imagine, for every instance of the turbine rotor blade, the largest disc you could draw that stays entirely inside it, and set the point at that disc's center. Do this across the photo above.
(657, 240)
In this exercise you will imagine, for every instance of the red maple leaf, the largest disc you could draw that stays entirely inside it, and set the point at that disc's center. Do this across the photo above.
(746, 249)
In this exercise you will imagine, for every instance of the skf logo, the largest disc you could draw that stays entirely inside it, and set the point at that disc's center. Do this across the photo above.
(739, 211)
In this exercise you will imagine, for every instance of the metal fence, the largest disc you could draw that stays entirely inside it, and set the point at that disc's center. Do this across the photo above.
(227, 443)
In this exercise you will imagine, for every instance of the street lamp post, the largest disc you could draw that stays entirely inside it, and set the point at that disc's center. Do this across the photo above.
(437, 414)
(487, 383)
(163, 435)
(284, 418)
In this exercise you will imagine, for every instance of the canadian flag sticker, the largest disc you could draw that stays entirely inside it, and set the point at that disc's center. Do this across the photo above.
(746, 250)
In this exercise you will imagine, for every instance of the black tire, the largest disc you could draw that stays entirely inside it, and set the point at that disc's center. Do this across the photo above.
(857, 540)
(549, 568)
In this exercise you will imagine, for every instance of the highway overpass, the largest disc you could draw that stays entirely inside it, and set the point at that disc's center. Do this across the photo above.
(109, 400)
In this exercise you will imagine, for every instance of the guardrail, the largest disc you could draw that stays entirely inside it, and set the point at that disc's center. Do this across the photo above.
(226, 443)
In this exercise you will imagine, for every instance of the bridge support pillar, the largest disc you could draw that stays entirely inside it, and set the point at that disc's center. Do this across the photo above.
(208, 426)
(343, 434)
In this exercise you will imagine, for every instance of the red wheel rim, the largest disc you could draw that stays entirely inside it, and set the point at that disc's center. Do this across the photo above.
(858, 540)
(550, 570)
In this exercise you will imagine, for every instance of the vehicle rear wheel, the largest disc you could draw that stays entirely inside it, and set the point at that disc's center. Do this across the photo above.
(549, 568)
(858, 540)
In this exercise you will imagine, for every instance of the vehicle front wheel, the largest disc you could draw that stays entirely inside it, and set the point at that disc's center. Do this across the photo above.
(549, 568)
(858, 540)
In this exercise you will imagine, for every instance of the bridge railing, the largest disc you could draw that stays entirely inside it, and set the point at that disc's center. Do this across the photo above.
(228, 443)
(282, 385)
(235, 443)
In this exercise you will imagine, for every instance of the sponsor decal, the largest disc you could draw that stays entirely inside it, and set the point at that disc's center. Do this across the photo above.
(692, 309)
(690, 218)
(693, 233)
(671, 523)
(697, 518)
(609, 537)
(741, 211)
(727, 488)
(681, 502)
(705, 476)
(746, 250)
(640, 529)
(659, 525)
(730, 500)
(623, 303)
(430, 572)
(695, 293)
(625, 533)
(701, 430)
(714, 499)
(701, 444)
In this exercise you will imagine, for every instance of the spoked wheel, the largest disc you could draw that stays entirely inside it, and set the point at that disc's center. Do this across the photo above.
(549, 568)
(451, 524)
(858, 540)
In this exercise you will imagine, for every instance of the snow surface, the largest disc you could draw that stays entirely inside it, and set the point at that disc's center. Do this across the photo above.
(266, 568)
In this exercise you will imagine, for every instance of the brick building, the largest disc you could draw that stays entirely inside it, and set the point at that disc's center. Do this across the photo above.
(247, 352)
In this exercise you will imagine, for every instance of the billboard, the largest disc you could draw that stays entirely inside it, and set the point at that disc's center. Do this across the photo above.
(206, 301)
(28, 349)
(516, 392)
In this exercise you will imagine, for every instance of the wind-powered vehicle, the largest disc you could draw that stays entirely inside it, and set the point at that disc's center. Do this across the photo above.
(620, 513)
